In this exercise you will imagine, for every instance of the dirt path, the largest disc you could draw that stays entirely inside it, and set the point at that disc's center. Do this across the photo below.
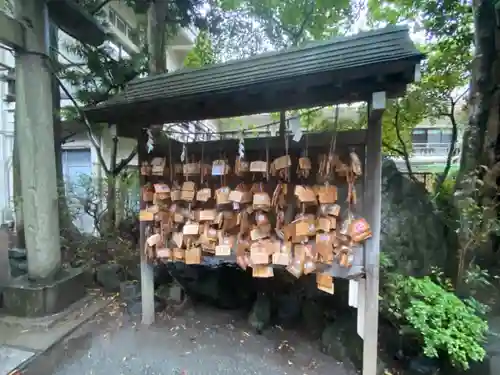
(200, 341)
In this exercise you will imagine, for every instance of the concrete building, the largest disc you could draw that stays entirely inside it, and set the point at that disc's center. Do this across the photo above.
(79, 157)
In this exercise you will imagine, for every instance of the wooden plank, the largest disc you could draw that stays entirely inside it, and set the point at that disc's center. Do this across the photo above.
(11, 31)
(373, 194)
(345, 139)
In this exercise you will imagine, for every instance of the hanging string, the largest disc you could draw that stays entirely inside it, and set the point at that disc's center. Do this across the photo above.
(185, 158)
(333, 142)
(287, 171)
(267, 160)
(150, 142)
(202, 168)
(183, 153)
(306, 151)
(170, 161)
(241, 147)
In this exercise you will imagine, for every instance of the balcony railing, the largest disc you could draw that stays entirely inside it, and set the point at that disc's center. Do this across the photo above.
(433, 149)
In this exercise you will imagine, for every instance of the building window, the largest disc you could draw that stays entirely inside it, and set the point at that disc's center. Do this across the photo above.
(446, 135)
(112, 17)
(120, 25)
(419, 136)
(434, 136)
(133, 35)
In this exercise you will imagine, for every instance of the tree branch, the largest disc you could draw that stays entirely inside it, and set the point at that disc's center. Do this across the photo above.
(405, 154)
(124, 162)
(308, 14)
(451, 151)
(393, 149)
(99, 7)
(86, 121)
(63, 140)
(457, 99)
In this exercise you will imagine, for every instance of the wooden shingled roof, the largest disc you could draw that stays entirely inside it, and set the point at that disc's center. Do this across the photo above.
(339, 70)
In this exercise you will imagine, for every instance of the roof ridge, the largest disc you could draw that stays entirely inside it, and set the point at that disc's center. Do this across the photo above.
(308, 46)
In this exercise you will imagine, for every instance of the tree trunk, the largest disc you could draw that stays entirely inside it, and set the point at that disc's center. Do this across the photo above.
(157, 13)
(111, 187)
(481, 137)
(111, 204)
(65, 222)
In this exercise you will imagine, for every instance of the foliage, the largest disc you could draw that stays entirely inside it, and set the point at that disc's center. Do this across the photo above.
(257, 26)
(447, 326)
(476, 222)
(447, 26)
(87, 197)
(180, 13)
(104, 74)
(292, 22)
(202, 53)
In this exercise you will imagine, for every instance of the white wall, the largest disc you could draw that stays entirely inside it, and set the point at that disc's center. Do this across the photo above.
(6, 142)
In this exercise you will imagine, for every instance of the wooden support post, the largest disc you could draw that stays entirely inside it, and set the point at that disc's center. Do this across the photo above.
(147, 271)
(373, 191)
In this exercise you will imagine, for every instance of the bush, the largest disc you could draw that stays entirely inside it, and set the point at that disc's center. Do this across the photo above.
(428, 309)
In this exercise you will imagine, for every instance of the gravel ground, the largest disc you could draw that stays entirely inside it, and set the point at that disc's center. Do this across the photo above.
(198, 341)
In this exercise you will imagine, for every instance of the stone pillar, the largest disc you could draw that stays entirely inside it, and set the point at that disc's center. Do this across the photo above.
(35, 137)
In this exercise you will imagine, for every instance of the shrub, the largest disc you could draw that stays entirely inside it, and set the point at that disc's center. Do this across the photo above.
(428, 308)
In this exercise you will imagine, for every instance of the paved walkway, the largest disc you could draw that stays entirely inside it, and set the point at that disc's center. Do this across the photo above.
(202, 341)
(22, 339)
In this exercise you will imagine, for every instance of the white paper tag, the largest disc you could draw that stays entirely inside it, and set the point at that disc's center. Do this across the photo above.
(183, 154)
(150, 142)
(218, 169)
(241, 147)
(236, 206)
(297, 136)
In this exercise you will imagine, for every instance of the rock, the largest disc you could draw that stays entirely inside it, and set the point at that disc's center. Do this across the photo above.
(109, 276)
(18, 267)
(134, 273)
(411, 232)
(423, 366)
(224, 286)
(312, 317)
(16, 253)
(134, 306)
(340, 340)
(176, 293)
(331, 342)
(260, 315)
(171, 294)
(288, 309)
(89, 276)
(161, 274)
(130, 290)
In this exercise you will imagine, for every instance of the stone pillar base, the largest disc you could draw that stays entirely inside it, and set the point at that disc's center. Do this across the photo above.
(25, 298)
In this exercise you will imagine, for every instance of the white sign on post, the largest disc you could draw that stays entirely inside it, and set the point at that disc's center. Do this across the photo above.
(295, 129)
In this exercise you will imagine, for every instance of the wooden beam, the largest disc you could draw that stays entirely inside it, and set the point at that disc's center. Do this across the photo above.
(11, 31)
(373, 203)
(314, 140)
